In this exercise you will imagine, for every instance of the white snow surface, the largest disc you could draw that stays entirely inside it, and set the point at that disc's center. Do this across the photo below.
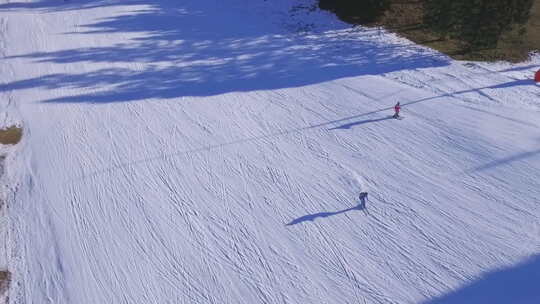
(208, 151)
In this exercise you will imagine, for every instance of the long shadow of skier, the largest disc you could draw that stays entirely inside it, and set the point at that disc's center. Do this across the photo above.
(357, 123)
(312, 217)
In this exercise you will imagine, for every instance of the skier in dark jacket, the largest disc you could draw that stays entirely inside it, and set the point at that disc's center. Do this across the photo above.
(363, 199)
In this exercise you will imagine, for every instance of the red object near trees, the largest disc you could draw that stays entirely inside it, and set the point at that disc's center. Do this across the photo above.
(537, 76)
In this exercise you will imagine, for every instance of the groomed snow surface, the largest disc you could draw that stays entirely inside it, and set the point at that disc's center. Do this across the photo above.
(209, 151)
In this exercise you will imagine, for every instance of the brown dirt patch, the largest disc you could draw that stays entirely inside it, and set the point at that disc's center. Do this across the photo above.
(5, 279)
(11, 135)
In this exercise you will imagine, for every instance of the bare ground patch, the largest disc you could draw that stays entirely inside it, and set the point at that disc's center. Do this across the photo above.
(11, 135)
(5, 279)
(8, 136)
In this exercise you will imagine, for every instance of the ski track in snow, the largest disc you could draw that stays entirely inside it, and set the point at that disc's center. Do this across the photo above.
(176, 155)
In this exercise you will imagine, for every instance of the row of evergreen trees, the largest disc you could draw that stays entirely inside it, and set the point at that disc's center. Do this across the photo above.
(361, 11)
(479, 24)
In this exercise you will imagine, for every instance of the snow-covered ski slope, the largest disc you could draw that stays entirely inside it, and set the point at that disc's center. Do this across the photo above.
(209, 151)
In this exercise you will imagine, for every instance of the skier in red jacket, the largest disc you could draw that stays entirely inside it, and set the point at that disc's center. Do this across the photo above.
(397, 107)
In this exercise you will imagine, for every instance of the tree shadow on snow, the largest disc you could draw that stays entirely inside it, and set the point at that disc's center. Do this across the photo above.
(517, 285)
(515, 83)
(532, 67)
(508, 160)
(519, 121)
(55, 5)
(198, 48)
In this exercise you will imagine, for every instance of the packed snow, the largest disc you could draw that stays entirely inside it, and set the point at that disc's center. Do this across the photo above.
(208, 151)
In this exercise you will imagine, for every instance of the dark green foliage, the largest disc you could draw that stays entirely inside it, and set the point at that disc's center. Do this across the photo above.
(478, 29)
(478, 23)
(358, 11)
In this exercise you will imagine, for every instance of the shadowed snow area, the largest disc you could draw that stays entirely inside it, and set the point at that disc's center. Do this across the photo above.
(517, 284)
(206, 151)
(201, 48)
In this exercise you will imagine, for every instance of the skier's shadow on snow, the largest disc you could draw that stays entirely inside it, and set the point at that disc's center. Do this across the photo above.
(313, 217)
(357, 123)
